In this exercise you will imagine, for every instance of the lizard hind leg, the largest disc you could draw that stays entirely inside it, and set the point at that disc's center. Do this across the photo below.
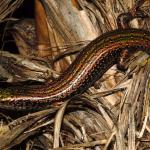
(121, 65)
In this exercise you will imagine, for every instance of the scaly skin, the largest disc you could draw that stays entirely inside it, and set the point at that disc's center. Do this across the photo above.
(90, 65)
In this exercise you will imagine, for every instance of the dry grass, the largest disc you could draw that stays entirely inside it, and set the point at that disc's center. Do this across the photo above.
(111, 115)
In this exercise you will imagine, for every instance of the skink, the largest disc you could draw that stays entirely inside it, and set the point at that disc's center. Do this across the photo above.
(90, 65)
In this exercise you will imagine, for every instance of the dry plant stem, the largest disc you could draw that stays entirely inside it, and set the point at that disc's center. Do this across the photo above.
(15, 132)
(67, 27)
(41, 29)
(109, 140)
(145, 110)
(84, 145)
(7, 7)
(131, 131)
(57, 125)
(18, 68)
(77, 48)
(75, 129)
(135, 93)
